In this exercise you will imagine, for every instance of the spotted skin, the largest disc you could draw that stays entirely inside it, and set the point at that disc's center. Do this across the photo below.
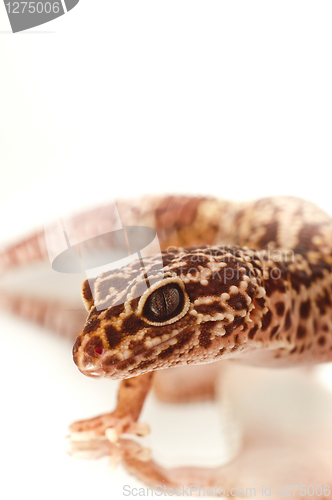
(264, 299)
(260, 294)
(245, 281)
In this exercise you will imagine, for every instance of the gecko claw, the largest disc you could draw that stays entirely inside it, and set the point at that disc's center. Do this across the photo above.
(139, 429)
(112, 435)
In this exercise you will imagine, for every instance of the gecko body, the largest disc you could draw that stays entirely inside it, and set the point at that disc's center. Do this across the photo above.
(267, 306)
(246, 281)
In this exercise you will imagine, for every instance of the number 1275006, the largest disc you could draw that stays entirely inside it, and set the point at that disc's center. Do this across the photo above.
(33, 7)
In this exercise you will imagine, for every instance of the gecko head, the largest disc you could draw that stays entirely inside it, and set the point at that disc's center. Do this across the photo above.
(187, 310)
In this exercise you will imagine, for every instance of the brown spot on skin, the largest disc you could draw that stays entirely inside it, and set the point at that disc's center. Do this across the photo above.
(114, 337)
(293, 350)
(260, 302)
(302, 349)
(167, 352)
(135, 343)
(288, 321)
(136, 347)
(114, 312)
(123, 365)
(221, 351)
(321, 305)
(177, 211)
(237, 302)
(132, 324)
(77, 344)
(305, 236)
(111, 360)
(183, 339)
(204, 337)
(266, 320)
(216, 286)
(176, 219)
(86, 290)
(276, 284)
(280, 308)
(198, 259)
(145, 364)
(322, 341)
(134, 303)
(305, 309)
(270, 235)
(274, 331)
(301, 332)
(211, 309)
(298, 278)
(318, 268)
(250, 290)
(253, 332)
(91, 325)
(238, 320)
(327, 299)
(325, 328)
(92, 344)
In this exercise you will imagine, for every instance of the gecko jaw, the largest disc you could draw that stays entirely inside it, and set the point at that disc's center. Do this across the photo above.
(101, 368)
(94, 372)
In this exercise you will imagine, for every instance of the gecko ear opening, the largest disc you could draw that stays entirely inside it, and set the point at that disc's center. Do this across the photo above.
(87, 295)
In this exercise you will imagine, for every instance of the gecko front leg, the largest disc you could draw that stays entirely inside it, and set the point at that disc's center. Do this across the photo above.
(100, 436)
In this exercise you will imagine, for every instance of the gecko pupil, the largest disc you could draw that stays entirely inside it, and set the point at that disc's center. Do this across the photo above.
(164, 303)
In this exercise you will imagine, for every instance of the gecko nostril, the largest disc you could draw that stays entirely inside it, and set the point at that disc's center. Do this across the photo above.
(99, 350)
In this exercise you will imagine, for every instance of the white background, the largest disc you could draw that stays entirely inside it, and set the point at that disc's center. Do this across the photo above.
(225, 98)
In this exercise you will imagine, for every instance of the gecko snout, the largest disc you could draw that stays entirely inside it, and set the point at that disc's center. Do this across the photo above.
(87, 355)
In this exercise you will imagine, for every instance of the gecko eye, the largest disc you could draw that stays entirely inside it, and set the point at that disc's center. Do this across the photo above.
(164, 304)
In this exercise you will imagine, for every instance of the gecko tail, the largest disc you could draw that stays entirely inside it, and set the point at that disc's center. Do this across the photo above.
(64, 319)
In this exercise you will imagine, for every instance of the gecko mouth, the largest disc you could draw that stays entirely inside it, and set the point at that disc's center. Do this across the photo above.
(114, 369)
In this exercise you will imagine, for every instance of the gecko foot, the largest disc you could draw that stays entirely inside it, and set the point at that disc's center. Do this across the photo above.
(110, 425)
(100, 436)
